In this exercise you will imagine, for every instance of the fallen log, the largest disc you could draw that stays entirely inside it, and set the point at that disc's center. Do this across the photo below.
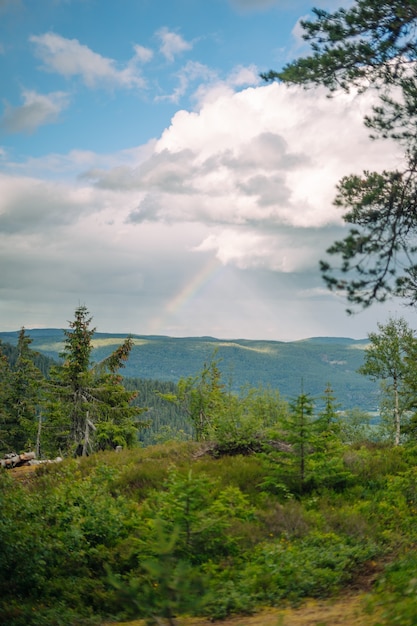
(16, 460)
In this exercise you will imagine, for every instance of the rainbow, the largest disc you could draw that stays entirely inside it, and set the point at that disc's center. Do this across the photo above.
(188, 293)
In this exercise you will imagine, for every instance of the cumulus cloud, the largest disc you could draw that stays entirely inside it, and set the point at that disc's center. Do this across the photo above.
(270, 155)
(172, 44)
(258, 169)
(36, 110)
(284, 250)
(246, 181)
(69, 57)
(243, 76)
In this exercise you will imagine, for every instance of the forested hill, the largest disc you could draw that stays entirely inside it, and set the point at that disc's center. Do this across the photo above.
(286, 366)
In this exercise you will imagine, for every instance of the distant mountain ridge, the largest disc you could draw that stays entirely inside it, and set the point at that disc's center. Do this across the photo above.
(287, 366)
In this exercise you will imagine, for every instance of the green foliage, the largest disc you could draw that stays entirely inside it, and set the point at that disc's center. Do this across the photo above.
(5, 401)
(386, 359)
(157, 533)
(237, 423)
(299, 433)
(396, 593)
(78, 346)
(202, 398)
(199, 516)
(247, 419)
(355, 426)
(303, 451)
(369, 43)
(89, 408)
(317, 565)
(54, 543)
(167, 420)
(22, 385)
(165, 585)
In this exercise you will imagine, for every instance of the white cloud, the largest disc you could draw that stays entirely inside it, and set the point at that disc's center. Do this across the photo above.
(247, 181)
(32, 206)
(69, 57)
(143, 54)
(259, 169)
(191, 72)
(36, 110)
(244, 76)
(297, 34)
(172, 44)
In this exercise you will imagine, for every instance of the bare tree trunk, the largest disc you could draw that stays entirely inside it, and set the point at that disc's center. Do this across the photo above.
(86, 435)
(396, 414)
(38, 437)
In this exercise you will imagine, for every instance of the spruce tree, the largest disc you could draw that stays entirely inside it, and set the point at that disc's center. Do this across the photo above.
(299, 433)
(26, 402)
(89, 408)
(5, 404)
(21, 388)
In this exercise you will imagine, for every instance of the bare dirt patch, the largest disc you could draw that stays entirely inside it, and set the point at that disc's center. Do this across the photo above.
(346, 611)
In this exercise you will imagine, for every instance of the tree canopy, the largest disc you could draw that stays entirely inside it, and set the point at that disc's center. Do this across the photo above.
(372, 44)
(386, 360)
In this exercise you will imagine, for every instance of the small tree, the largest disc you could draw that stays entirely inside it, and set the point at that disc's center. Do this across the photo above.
(385, 360)
(299, 433)
(202, 397)
(355, 426)
(328, 419)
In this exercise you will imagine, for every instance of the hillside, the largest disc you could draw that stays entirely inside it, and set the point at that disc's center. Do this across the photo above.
(170, 530)
(286, 366)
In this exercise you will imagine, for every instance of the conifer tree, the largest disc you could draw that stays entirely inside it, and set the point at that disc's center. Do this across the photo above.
(371, 44)
(300, 434)
(21, 386)
(27, 391)
(327, 422)
(89, 408)
(5, 402)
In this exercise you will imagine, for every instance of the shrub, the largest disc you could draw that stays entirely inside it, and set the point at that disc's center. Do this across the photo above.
(396, 593)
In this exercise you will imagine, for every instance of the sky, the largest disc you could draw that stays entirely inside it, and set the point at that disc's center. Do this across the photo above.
(148, 173)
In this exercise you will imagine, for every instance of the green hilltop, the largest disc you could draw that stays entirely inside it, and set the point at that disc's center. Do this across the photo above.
(287, 366)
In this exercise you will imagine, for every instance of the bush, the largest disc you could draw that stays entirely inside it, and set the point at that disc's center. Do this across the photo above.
(395, 597)
(315, 566)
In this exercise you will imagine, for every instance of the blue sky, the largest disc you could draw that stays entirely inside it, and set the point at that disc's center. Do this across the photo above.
(147, 171)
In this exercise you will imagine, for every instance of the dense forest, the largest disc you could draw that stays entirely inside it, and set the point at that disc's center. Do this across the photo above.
(79, 404)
